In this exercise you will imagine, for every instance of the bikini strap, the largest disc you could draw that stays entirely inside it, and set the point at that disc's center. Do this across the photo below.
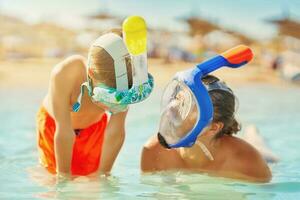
(205, 150)
(77, 105)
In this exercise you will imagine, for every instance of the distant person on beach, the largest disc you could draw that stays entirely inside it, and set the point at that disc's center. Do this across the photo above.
(216, 150)
(81, 122)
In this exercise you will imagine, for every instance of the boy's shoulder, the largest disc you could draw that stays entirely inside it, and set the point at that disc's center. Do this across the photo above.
(70, 67)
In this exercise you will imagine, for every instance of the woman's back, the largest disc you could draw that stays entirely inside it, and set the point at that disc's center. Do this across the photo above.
(232, 158)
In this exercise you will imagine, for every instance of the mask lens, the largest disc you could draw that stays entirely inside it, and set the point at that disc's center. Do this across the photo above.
(177, 97)
(179, 112)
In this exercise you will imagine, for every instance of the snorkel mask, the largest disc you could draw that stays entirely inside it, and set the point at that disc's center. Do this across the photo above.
(134, 47)
(186, 105)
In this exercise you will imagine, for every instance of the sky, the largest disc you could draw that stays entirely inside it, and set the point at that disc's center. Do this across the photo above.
(246, 16)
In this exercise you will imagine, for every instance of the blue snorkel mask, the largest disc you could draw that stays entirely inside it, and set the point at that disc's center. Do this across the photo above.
(117, 99)
(186, 105)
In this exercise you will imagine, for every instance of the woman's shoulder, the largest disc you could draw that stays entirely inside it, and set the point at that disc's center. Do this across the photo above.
(150, 151)
(152, 148)
(246, 160)
(242, 148)
(156, 158)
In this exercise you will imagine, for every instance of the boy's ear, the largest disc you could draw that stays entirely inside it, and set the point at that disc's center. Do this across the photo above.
(90, 73)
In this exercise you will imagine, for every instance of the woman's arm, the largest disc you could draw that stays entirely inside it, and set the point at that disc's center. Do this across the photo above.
(113, 141)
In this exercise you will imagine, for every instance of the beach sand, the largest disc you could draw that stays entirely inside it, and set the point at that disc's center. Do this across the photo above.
(34, 73)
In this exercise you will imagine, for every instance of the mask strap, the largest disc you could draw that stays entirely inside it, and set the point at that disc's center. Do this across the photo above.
(115, 47)
(218, 85)
(121, 74)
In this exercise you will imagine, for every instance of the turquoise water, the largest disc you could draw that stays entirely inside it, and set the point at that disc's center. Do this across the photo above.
(275, 110)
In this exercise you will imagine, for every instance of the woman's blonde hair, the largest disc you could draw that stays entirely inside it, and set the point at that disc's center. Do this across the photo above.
(101, 65)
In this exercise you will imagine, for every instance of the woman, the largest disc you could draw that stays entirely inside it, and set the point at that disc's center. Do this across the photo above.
(76, 136)
(216, 151)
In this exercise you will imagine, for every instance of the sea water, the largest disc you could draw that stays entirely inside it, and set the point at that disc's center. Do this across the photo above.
(275, 110)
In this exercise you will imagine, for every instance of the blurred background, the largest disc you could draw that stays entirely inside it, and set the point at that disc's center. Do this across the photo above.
(40, 33)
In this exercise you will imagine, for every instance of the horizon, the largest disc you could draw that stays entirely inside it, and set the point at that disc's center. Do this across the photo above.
(230, 15)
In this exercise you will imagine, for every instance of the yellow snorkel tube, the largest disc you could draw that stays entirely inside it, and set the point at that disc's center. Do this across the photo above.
(135, 37)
